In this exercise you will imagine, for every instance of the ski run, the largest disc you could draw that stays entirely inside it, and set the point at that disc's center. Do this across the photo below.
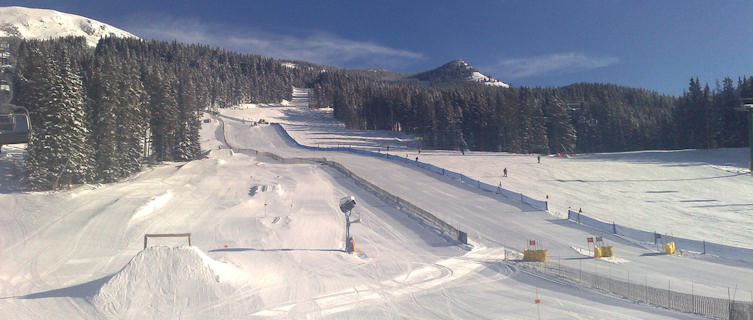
(268, 237)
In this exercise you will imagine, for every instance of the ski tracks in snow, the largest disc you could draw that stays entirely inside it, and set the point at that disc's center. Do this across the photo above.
(425, 278)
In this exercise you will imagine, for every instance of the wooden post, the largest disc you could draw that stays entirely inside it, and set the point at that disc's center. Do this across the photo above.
(166, 235)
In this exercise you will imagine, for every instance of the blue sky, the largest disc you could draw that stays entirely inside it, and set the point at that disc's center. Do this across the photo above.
(657, 45)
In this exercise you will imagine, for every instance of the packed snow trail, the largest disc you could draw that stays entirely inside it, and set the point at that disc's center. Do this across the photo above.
(510, 223)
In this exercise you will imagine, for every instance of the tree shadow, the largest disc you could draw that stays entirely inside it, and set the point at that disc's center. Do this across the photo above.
(274, 250)
(653, 254)
(653, 180)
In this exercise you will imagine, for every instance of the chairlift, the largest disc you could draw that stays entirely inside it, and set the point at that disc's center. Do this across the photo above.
(15, 126)
(747, 104)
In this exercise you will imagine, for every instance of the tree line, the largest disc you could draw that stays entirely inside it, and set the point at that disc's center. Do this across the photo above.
(99, 113)
(583, 117)
(94, 110)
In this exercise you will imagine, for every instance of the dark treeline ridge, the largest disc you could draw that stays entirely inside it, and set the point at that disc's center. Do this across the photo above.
(583, 117)
(93, 110)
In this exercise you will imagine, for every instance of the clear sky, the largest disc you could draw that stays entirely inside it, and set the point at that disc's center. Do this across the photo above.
(657, 45)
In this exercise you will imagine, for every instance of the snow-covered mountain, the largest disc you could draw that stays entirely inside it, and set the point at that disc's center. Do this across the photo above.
(32, 23)
(457, 71)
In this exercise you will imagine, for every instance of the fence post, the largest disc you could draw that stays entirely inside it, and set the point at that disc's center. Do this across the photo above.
(669, 293)
(692, 294)
(645, 284)
(610, 278)
(629, 285)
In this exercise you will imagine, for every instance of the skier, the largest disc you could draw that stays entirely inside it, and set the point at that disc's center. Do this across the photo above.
(504, 172)
(538, 158)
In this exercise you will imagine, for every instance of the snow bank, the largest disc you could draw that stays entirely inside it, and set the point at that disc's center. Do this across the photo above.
(163, 281)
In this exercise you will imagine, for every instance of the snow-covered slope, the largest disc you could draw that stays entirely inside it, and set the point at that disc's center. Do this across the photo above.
(32, 23)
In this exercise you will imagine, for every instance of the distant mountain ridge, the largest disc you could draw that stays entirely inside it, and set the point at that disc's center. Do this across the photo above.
(456, 72)
(29, 23)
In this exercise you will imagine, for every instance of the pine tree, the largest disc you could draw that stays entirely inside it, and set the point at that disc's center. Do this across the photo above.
(561, 133)
(187, 135)
(163, 110)
(59, 148)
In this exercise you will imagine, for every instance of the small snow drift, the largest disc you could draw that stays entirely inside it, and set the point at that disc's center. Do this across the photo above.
(162, 281)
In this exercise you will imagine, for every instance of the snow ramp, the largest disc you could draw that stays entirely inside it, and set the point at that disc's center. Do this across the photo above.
(164, 282)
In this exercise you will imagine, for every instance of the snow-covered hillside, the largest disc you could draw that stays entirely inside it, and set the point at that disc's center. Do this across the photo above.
(456, 71)
(32, 23)
(482, 78)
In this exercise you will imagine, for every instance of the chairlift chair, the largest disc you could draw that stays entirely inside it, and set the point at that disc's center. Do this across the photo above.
(15, 126)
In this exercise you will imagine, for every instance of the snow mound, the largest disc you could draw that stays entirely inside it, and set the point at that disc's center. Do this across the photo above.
(220, 154)
(163, 281)
(153, 204)
(31, 23)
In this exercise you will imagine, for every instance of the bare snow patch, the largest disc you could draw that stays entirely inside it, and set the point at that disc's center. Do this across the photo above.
(489, 81)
